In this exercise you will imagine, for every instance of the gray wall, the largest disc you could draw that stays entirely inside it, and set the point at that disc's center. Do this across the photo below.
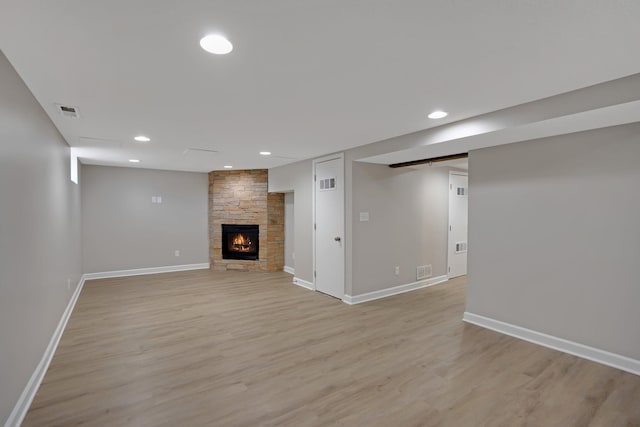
(123, 230)
(296, 177)
(554, 240)
(289, 230)
(408, 210)
(408, 219)
(39, 234)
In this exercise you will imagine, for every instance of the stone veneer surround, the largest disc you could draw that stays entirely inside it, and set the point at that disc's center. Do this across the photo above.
(242, 197)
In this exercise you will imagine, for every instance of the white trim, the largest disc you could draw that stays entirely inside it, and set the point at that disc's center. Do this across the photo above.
(303, 283)
(26, 398)
(289, 270)
(141, 271)
(383, 293)
(586, 352)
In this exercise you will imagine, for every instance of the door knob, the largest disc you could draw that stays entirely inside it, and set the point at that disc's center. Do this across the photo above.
(337, 238)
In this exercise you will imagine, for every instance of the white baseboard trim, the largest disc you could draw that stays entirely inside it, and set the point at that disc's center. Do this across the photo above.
(26, 398)
(289, 270)
(586, 352)
(303, 283)
(141, 271)
(383, 293)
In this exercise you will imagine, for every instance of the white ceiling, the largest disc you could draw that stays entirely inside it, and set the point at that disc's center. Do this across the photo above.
(305, 77)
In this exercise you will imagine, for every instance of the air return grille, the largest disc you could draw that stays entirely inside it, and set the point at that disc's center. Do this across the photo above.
(461, 247)
(328, 184)
(68, 111)
(423, 272)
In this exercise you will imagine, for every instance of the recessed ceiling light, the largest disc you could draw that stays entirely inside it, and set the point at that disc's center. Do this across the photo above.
(214, 43)
(265, 153)
(134, 160)
(228, 167)
(438, 114)
(142, 138)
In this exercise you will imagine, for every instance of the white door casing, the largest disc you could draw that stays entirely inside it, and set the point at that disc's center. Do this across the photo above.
(329, 225)
(458, 214)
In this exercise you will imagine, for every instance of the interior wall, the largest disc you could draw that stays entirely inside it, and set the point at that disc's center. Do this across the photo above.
(40, 225)
(122, 229)
(297, 177)
(408, 211)
(289, 231)
(407, 226)
(554, 238)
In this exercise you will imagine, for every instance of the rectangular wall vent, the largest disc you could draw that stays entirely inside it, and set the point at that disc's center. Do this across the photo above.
(327, 184)
(423, 272)
(461, 247)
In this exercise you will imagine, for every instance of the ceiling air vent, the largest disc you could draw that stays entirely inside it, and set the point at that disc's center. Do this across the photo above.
(190, 151)
(97, 139)
(68, 111)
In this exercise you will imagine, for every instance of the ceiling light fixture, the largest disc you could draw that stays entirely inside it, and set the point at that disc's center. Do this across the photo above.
(265, 153)
(228, 167)
(134, 160)
(216, 44)
(438, 114)
(142, 138)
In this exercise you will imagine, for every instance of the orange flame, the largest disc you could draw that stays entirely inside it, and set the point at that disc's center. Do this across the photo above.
(240, 243)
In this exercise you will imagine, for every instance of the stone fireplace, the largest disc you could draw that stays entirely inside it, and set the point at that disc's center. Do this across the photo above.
(240, 198)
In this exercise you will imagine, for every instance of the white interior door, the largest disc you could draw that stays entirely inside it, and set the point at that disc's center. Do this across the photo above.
(329, 226)
(458, 206)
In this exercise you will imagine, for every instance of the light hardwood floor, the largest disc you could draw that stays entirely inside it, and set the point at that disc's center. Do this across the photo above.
(249, 349)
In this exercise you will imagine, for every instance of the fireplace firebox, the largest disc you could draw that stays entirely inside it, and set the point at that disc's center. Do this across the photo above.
(240, 241)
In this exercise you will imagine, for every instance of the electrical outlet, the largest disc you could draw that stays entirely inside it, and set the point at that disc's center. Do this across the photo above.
(68, 284)
(397, 270)
(177, 252)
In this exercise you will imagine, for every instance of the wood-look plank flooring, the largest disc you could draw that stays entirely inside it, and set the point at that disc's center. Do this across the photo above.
(248, 349)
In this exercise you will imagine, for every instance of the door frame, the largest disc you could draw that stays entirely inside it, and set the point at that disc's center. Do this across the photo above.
(462, 173)
(313, 208)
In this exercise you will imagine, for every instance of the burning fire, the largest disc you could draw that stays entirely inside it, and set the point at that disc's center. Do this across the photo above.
(240, 243)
